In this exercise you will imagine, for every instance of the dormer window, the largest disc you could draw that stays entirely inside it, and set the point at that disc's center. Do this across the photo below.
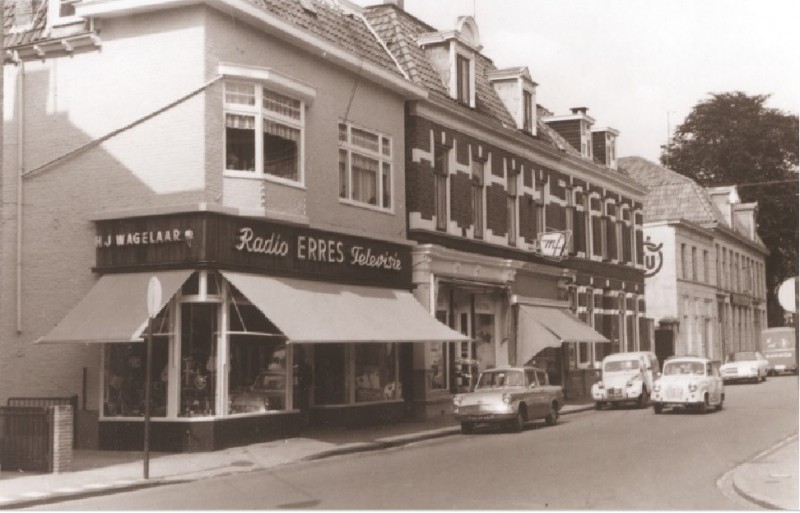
(527, 111)
(517, 91)
(61, 12)
(463, 80)
(452, 53)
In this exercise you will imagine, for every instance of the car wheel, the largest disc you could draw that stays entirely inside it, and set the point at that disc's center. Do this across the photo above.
(721, 400)
(552, 417)
(764, 378)
(644, 397)
(658, 408)
(467, 427)
(706, 406)
(598, 405)
(519, 421)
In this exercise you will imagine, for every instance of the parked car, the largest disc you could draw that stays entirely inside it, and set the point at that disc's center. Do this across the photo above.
(689, 382)
(268, 392)
(778, 345)
(509, 396)
(626, 377)
(745, 366)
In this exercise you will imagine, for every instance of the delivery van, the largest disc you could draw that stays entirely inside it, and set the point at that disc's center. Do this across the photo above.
(778, 347)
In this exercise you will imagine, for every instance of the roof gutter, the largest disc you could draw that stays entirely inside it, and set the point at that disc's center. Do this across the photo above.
(249, 13)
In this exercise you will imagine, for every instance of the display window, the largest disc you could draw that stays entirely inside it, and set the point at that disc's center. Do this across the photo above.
(329, 374)
(257, 362)
(198, 358)
(376, 372)
(125, 369)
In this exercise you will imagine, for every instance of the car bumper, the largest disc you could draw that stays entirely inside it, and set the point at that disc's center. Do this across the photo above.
(489, 414)
(742, 376)
(618, 395)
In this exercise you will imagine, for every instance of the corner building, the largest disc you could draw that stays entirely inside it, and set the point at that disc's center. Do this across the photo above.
(248, 155)
(526, 243)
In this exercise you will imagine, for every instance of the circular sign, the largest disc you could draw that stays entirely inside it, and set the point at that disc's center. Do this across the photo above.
(787, 295)
(153, 297)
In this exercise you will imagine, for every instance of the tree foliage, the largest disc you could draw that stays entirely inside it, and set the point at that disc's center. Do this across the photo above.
(734, 139)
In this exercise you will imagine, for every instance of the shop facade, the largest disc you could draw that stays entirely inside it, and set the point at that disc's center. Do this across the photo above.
(264, 328)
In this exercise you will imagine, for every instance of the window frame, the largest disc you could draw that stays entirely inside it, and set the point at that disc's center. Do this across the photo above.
(478, 200)
(260, 115)
(383, 160)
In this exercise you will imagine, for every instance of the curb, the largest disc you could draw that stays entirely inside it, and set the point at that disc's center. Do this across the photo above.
(752, 497)
(379, 444)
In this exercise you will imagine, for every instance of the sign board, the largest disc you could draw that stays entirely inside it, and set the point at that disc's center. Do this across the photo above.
(787, 295)
(553, 244)
(153, 297)
(653, 258)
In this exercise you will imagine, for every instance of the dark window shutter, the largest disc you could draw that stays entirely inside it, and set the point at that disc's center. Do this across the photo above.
(611, 238)
(626, 244)
(578, 231)
(639, 247)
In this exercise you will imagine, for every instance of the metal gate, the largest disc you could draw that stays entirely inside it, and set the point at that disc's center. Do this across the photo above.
(44, 402)
(26, 438)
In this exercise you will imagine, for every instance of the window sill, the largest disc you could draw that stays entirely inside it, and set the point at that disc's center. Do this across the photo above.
(251, 175)
(366, 206)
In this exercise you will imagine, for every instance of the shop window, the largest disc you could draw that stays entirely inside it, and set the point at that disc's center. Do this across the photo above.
(365, 166)
(438, 358)
(198, 359)
(329, 374)
(257, 378)
(376, 373)
(263, 132)
(125, 376)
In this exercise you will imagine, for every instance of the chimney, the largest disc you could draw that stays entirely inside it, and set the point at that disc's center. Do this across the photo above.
(604, 146)
(579, 110)
(398, 3)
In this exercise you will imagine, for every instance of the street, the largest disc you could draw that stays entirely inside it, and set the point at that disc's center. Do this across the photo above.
(623, 458)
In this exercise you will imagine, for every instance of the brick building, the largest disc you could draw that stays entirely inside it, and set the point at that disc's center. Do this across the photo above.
(496, 188)
(706, 285)
(249, 155)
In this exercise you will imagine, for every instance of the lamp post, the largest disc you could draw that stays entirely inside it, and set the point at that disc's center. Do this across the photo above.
(153, 306)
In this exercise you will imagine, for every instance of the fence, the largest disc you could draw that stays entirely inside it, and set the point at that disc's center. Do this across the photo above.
(44, 402)
(25, 442)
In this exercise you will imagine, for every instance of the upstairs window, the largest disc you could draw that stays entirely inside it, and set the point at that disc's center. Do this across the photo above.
(511, 205)
(538, 208)
(527, 111)
(263, 133)
(441, 171)
(463, 80)
(365, 166)
(477, 197)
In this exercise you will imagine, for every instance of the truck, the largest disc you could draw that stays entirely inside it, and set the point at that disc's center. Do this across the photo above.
(779, 348)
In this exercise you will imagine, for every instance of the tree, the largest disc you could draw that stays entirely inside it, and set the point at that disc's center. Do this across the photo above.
(733, 139)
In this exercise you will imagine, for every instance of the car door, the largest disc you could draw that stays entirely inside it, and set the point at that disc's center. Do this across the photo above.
(541, 394)
(763, 364)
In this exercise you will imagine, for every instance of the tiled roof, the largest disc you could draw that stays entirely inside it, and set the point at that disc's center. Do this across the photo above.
(31, 33)
(337, 26)
(327, 20)
(400, 31)
(671, 196)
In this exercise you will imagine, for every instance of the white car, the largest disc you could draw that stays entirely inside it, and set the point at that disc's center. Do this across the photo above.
(745, 366)
(689, 382)
(626, 377)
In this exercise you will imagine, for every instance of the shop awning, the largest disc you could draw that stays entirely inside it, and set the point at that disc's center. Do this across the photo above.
(311, 311)
(541, 327)
(115, 309)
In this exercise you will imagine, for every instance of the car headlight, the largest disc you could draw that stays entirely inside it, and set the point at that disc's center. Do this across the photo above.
(631, 382)
(599, 385)
(692, 387)
(457, 400)
(507, 398)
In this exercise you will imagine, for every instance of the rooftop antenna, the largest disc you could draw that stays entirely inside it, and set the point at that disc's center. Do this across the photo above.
(669, 139)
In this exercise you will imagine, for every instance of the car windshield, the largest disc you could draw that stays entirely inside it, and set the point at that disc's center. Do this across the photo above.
(620, 366)
(743, 357)
(674, 368)
(505, 378)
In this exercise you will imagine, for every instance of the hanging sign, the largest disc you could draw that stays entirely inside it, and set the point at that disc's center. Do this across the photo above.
(552, 244)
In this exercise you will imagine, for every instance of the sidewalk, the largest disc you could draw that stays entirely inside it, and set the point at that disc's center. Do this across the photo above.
(770, 481)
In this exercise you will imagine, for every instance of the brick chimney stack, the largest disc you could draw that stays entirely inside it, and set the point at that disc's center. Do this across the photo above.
(398, 3)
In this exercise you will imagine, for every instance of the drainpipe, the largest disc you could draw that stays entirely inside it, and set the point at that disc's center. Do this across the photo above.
(20, 171)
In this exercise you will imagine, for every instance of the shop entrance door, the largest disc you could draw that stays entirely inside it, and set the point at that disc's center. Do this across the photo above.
(466, 365)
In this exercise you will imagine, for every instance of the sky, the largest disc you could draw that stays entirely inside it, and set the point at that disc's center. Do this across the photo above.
(640, 66)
